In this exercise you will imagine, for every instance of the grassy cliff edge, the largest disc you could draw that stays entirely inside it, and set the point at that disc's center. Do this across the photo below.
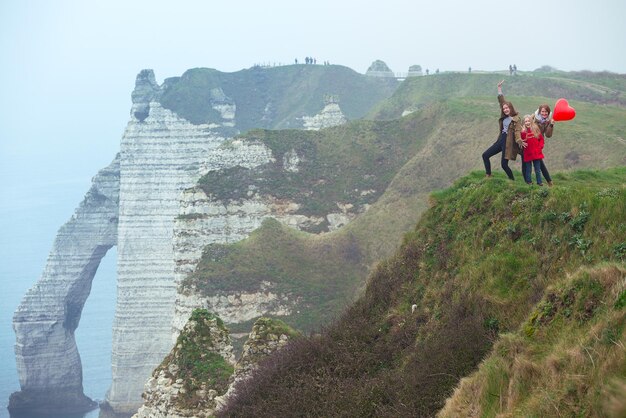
(476, 271)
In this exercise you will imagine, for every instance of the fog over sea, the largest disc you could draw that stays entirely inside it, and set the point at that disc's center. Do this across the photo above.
(34, 205)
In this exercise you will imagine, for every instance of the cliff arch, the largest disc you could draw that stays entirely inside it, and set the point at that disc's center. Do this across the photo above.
(48, 362)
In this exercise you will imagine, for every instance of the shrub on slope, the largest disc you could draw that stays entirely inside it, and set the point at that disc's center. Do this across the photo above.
(477, 263)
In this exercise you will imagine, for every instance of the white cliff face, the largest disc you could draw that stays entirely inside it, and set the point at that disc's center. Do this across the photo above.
(45, 321)
(146, 203)
(161, 155)
(331, 115)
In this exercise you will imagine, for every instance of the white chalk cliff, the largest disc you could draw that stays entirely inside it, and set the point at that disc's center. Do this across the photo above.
(45, 321)
(161, 155)
(147, 203)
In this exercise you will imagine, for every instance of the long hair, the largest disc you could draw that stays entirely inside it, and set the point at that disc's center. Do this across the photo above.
(513, 112)
(534, 126)
(544, 106)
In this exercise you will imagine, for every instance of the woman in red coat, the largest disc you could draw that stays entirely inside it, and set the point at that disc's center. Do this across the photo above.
(533, 152)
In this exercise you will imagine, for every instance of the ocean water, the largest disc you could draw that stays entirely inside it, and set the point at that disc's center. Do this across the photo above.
(31, 212)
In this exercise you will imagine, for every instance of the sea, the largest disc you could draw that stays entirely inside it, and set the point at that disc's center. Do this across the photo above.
(32, 209)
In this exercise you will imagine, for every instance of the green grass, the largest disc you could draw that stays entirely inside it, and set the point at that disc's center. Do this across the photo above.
(275, 97)
(349, 164)
(402, 161)
(484, 254)
(417, 92)
(322, 273)
(567, 359)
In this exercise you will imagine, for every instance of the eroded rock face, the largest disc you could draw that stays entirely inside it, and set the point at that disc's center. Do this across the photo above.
(137, 205)
(48, 362)
(267, 336)
(331, 115)
(161, 155)
(197, 377)
(379, 69)
(197, 369)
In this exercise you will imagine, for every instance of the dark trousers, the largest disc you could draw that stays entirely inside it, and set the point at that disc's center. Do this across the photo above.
(544, 171)
(528, 171)
(497, 147)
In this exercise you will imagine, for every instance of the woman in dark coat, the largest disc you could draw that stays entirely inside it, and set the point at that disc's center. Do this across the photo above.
(509, 141)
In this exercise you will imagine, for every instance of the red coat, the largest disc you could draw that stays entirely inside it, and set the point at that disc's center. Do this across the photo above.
(534, 149)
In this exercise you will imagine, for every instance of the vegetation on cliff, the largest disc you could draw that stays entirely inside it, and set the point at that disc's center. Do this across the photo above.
(391, 166)
(351, 164)
(321, 272)
(196, 359)
(537, 271)
(274, 97)
(567, 359)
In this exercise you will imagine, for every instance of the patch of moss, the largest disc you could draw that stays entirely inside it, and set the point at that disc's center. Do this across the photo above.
(197, 365)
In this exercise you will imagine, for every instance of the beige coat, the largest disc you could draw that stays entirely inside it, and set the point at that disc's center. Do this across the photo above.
(513, 137)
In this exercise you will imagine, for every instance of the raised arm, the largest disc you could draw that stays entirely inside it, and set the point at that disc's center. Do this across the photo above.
(500, 94)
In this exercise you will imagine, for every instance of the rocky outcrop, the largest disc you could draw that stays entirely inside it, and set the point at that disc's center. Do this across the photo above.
(196, 371)
(198, 377)
(203, 220)
(48, 362)
(331, 115)
(379, 69)
(415, 71)
(267, 336)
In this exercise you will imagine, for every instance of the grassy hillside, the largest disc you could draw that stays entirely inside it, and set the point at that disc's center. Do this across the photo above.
(484, 255)
(274, 97)
(351, 163)
(403, 161)
(416, 92)
(567, 359)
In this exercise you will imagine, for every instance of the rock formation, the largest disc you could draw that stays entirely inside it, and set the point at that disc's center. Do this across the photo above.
(48, 362)
(146, 203)
(415, 71)
(379, 69)
(161, 155)
(267, 336)
(197, 377)
(331, 115)
(198, 368)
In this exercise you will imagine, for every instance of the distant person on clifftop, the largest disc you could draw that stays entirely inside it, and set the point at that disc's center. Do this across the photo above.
(544, 120)
(533, 153)
(509, 139)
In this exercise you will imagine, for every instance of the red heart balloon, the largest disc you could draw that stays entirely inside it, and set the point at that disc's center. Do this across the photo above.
(563, 111)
